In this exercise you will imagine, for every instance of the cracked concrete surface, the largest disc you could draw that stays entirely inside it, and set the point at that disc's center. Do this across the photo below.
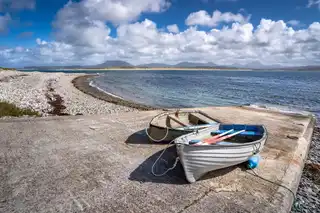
(103, 164)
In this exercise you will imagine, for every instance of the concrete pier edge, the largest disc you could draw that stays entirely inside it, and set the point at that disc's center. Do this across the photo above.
(293, 174)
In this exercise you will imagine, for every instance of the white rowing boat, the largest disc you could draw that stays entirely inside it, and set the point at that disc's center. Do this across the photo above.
(198, 159)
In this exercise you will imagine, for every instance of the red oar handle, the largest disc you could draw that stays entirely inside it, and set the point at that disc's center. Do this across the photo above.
(217, 137)
(213, 141)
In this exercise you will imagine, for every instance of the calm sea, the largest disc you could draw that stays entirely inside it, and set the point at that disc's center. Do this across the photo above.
(299, 90)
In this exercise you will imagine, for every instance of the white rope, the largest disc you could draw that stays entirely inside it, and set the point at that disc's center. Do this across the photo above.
(154, 140)
(174, 165)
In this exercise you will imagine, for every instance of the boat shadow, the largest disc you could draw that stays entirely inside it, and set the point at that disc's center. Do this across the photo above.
(220, 172)
(144, 174)
(141, 137)
(176, 176)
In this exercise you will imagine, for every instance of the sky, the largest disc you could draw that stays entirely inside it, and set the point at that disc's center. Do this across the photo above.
(224, 32)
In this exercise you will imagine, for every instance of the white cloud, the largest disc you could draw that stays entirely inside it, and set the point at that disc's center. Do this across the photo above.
(173, 28)
(294, 22)
(10, 5)
(116, 12)
(19, 49)
(272, 42)
(312, 3)
(40, 42)
(17, 5)
(203, 18)
(4, 21)
(84, 23)
(82, 37)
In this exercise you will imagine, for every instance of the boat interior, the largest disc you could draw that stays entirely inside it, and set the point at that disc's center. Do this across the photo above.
(251, 132)
(182, 119)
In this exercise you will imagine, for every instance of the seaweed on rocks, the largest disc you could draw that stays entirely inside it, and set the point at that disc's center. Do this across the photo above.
(56, 101)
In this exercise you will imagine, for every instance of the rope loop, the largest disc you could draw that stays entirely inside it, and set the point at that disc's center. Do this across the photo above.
(169, 169)
(157, 141)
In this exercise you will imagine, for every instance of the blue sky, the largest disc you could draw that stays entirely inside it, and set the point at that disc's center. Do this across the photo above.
(27, 32)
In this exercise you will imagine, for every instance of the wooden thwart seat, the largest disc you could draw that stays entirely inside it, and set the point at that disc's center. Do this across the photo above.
(199, 118)
(177, 120)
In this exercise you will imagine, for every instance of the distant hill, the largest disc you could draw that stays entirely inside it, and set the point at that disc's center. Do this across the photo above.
(106, 64)
(116, 63)
(52, 67)
(256, 65)
(301, 68)
(154, 65)
(124, 64)
(181, 64)
(204, 65)
(190, 64)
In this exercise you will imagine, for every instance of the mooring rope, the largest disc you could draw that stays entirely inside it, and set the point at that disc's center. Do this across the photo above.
(169, 169)
(275, 183)
(154, 140)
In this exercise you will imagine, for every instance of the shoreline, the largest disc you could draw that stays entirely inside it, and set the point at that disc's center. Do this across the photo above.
(88, 70)
(53, 94)
(142, 69)
(108, 93)
(82, 83)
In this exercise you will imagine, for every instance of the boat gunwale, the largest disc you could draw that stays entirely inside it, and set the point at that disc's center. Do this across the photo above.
(263, 138)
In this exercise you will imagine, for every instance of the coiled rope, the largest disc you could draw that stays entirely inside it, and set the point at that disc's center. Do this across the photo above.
(154, 140)
(157, 141)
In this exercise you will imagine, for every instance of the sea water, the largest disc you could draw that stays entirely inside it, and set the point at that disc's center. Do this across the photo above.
(295, 89)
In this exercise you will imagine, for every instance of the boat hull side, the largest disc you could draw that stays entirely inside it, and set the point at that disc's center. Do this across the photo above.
(159, 133)
(199, 160)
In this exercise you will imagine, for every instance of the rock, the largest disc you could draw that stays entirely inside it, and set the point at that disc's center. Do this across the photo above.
(308, 196)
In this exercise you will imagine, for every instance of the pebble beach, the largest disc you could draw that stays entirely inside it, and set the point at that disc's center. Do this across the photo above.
(53, 94)
(308, 193)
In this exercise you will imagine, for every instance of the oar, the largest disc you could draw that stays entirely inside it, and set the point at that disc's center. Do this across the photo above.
(197, 126)
(199, 142)
(220, 135)
(211, 141)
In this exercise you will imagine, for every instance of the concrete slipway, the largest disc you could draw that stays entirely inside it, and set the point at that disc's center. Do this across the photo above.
(103, 163)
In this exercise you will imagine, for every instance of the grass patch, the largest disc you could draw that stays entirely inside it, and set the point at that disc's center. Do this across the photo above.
(7, 109)
(7, 69)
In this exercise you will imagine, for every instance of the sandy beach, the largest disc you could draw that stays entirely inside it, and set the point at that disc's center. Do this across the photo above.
(54, 94)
